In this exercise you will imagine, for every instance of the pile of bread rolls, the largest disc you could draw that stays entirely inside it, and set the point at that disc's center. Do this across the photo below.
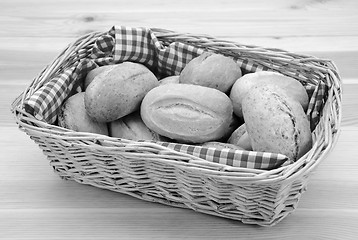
(209, 104)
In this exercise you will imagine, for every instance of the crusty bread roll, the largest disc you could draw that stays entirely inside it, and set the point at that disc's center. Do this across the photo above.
(241, 138)
(119, 91)
(95, 72)
(132, 127)
(234, 124)
(237, 134)
(275, 122)
(187, 113)
(291, 86)
(73, 116)
(211, 70)
(168, 80)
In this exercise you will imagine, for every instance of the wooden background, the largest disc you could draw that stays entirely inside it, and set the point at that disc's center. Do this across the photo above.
(36, 204)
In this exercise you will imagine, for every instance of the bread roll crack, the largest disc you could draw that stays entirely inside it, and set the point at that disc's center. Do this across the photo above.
(187, 110)
(288, 110)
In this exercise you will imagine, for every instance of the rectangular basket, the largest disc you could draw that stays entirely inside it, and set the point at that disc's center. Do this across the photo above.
(251, 187)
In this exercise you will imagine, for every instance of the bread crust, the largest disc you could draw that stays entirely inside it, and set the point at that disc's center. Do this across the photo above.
(187, 113)
(118, 91)
(132, 127)
(211, 70)
(241, 138)
(275, 122)
(73, 116)
(242, 86)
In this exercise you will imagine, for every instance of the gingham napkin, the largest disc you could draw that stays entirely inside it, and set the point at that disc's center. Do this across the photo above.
(141, 45)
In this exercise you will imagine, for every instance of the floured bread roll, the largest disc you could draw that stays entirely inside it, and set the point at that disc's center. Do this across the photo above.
(275, 122)
(242, 86)
(132, 127)
(187, 112)
(211, 70)
(169, 80)
(73, 116)
(118, 91)
(95, 72)
(241, 138)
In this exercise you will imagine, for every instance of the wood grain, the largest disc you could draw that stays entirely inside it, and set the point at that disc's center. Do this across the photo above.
(141, 223)
(36, 204)
(275, 24)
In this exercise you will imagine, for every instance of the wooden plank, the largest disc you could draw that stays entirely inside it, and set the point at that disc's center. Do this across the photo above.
(160, 5)
(349, 105)
(168, 223)
(51, 46)
(289, 19)
(231, 24)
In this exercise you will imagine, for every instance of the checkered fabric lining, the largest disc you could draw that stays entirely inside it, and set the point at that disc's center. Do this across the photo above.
(45, 103)
(141, 45)
(231, 157)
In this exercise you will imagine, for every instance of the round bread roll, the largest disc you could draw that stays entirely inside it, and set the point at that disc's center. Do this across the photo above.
(275, 122)
(168, 80)
(73, 116)
(241, 138)
(187, 113)
(119, 91)
(132, 127)
(211, 70)
(291, 86)
(95, 72)
(237, 134)
(234, 124)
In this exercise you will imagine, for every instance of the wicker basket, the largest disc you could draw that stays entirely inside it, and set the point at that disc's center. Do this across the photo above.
(156, 173)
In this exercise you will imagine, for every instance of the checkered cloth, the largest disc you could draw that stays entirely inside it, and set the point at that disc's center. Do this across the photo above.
(45, 103)
(141, 45)
(232, 157)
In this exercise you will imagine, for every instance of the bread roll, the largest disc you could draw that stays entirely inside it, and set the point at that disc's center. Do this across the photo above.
(211, 70)
(119, 91)
(95, 72)
(132, 127)
(237, 134)
(291, 86)
(275, 122)
(73, 116)
(187, 113)
(241, 138)
(234, 124)
(168, 80)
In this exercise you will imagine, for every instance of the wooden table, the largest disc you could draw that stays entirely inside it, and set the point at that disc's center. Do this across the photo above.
(36, 204)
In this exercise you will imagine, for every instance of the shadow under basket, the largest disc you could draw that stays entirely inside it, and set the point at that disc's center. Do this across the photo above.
(160, 173)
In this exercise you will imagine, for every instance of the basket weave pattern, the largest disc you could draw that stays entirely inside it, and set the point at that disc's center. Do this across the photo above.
(153, 172)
